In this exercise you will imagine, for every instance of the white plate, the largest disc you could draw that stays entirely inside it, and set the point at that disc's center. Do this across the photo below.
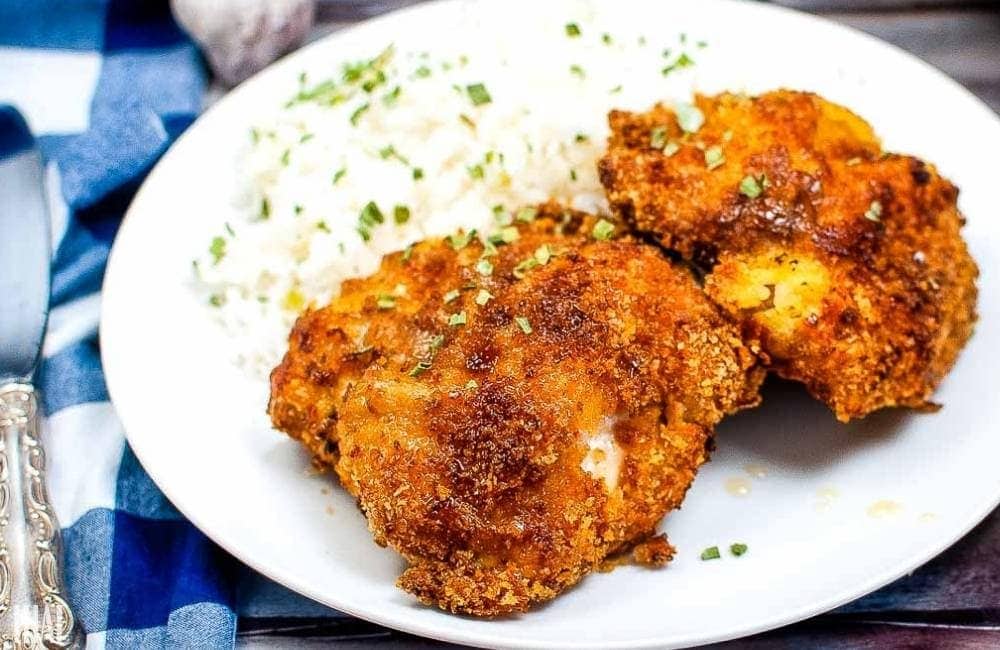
(198, 425)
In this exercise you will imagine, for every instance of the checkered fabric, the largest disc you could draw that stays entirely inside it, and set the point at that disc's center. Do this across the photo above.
(106, 86)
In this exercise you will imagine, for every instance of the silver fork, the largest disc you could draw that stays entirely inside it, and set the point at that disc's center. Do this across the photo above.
(33, 608)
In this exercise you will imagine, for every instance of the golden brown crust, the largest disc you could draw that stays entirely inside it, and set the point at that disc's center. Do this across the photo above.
(480, 486)
(867, 311)
(654, 552)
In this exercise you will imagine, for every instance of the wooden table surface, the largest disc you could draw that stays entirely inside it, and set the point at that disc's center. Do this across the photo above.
(953, 601)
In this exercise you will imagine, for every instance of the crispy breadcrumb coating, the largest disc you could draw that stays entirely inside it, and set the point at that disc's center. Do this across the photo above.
(508, 428)
(843, 263)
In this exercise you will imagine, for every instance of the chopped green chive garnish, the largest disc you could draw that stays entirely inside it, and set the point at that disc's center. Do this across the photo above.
(389, 151)
(340, 173)
(418, 173)
(325, 92)
(401, 214)
(423, 72)
(750, 188)
(217, 300)
(543, 254)
(420, 368)
(476, 172)
(358, 112)
(577, 70)
(738, 549)
(489, 249)
(460, 240)
(371, 215)
(581, 137)
(364, 233)
(617, 89)
(229, 229)
(874, 212)
(714, 157)
(689, 117)
(524, 266)
(457, 319)
(483, 297)
(509, 234)
(484, 267)
(606, 38)
(371, 84)
(467, 121)
(217, 249)
(506, 235)
(658, 137)
(297, 209)
(451, 295)
(572, 30)
(572, 174)
(711, 553)
(306, 137)
(478, 94)
(683, 61)
(355, 72)
(386, 301)
(527, 215)
(671, 148)
(523, 323)
(368, 72)
(407, 253)
(321, 225)
(392, 97)
(603, 230)
(265, 209)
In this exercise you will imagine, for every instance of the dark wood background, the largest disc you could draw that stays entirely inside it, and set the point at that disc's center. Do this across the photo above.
(952, 602)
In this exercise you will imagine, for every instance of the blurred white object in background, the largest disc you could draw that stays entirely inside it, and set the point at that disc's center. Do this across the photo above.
(240, 37)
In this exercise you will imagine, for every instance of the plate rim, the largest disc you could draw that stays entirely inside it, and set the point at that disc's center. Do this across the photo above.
(496, 640)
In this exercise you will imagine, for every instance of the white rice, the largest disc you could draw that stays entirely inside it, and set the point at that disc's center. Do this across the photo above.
(545, 127)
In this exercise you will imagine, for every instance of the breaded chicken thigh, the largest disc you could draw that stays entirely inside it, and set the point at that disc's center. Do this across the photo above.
(526, 408)
(844, 264)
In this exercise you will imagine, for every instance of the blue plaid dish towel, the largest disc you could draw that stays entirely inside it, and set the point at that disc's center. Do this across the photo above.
(106, 86)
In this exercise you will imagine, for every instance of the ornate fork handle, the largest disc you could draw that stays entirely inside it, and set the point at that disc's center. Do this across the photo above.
(34, 613)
